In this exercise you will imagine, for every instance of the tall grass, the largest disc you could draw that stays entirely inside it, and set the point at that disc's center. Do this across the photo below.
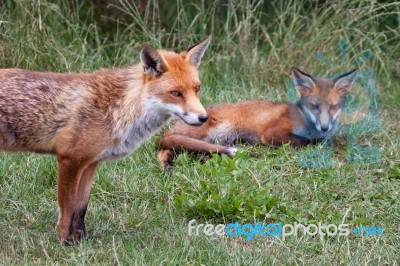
(257, 41)
(139, 214)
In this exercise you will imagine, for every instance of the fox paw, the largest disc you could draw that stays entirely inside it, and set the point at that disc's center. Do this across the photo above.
(77, 237)
(232, 151)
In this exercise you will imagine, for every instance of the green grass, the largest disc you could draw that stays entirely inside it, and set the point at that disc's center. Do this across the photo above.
(137, 213)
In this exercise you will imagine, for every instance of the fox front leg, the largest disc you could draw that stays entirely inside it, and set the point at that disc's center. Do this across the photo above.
(71, 208)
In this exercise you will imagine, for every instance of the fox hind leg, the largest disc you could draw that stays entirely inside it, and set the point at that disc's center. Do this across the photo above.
(165, 157)
(173, 143)
(7, 136)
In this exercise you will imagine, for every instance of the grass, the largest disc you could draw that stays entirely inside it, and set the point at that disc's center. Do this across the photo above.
(137, 213)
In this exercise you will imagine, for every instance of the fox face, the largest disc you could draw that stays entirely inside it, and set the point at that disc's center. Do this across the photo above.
(322, 99)
(173, 80)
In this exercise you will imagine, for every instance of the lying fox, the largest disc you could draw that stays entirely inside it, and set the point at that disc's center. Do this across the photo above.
(85, 119)
(314, 117)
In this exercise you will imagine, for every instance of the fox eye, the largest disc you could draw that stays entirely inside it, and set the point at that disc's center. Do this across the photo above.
(198, 88)
(334, 106)
(176, 93)
(315, 106)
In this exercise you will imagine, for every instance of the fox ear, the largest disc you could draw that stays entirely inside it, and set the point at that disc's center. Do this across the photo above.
(304, 82)
(153, 63)
(344, 82)
(196, 52)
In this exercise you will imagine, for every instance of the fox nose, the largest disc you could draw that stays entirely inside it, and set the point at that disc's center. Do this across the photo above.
(325, 128)
(203, 118)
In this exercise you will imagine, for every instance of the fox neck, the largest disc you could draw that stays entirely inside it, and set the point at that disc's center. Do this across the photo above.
(308, 129)
(137, 103)
(137, 116)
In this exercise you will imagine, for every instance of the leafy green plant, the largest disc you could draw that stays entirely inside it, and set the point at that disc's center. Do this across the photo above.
(225, 191)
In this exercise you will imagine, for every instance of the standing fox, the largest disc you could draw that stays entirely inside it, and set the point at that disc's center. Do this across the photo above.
(314, 117)
(85, 119)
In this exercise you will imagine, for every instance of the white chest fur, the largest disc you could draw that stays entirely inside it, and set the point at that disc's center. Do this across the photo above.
(131, 136)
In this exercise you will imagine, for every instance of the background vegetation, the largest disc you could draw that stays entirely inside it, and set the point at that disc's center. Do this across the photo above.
(139, 214)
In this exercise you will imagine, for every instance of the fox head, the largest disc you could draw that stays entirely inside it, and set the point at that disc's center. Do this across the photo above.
(173, 79)
(322, 99)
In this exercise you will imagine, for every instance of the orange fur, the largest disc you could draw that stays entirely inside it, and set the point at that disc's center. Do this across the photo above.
(262, 121)
(85, 119)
